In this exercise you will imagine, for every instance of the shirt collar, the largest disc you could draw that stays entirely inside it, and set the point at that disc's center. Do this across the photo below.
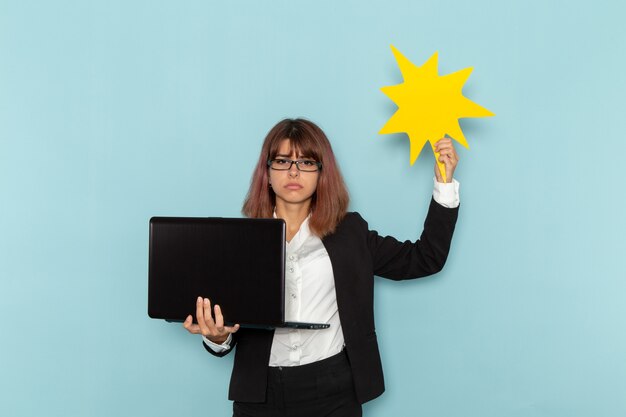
(300, 237)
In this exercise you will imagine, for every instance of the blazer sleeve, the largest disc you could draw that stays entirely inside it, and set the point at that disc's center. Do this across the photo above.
(426, 256)
(233, 342)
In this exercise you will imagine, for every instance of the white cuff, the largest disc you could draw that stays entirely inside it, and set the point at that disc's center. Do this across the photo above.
(218, 348)
(447, 194)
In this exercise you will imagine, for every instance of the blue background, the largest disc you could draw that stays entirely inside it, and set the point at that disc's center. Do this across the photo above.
(114, 111)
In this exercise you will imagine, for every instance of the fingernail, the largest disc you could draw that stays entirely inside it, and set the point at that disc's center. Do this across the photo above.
(199, 299)
(206, 301)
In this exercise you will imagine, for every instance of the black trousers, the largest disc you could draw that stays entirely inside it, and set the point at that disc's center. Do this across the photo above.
(319, 389)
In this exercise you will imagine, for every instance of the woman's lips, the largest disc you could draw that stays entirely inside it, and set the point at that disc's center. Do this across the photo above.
(293, 186)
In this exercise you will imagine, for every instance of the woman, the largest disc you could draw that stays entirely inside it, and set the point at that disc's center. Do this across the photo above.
(332, 258)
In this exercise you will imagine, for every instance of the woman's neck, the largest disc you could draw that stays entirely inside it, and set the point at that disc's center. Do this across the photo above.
(293, 215)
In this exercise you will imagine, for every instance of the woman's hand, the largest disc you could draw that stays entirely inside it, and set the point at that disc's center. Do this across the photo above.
(214, 330)
(447, 156)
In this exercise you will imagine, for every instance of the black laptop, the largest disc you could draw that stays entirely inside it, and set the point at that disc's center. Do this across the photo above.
(238, 263)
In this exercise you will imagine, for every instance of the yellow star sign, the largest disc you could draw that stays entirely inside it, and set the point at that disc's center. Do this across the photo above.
(430, 105)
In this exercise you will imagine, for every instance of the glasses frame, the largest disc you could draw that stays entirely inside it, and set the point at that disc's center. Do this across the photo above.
(291, 162)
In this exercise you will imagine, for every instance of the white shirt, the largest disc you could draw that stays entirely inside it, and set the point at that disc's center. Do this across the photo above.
(310, 296)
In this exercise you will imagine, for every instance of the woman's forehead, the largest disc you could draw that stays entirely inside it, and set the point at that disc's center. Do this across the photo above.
(287, 148)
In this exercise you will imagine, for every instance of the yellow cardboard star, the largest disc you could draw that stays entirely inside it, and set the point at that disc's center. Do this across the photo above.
(429, 105)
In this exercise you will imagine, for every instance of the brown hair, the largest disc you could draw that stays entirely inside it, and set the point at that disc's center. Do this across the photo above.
(330, 200)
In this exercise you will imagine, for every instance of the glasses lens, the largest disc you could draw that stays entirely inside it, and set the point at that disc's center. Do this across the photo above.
(308, 166)
(280, 164)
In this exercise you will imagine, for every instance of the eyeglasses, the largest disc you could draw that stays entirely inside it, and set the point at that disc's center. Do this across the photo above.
(305, 165)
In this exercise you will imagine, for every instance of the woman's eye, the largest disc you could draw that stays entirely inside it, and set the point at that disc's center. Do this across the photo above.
(280, 161)
(308, 163)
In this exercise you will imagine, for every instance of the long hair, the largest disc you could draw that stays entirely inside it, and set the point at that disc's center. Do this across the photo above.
(329, 202)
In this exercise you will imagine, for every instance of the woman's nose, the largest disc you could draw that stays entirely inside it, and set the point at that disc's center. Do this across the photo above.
(293, 170)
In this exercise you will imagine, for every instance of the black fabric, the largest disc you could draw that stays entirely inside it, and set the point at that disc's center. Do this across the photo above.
(320, 389)
(356, 255)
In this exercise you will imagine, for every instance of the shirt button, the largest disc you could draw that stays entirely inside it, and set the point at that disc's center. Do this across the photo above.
(293, 296)
(294, 347)
(290, 269)
(291, 257)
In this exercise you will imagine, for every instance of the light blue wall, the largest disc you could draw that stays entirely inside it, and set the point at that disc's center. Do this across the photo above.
(114, 111)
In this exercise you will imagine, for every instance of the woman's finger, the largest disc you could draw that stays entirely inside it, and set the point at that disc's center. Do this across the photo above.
(446, 149)
(232, 329)
(208, 316)
(219, 319)
(189, 326)
(219, 322)
(443, 143)
(200, 316)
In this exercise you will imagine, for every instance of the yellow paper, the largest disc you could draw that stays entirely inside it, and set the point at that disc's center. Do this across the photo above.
(429, 105)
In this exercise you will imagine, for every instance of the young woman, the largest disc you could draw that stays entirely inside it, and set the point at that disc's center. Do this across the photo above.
(332, 258)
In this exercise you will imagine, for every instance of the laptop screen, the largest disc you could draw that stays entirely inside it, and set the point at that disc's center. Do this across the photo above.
(237, 263)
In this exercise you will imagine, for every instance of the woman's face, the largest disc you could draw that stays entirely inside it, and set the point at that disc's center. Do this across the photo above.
(292, 186)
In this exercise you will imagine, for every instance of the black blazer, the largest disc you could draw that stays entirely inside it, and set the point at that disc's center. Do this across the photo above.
(356, 255)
